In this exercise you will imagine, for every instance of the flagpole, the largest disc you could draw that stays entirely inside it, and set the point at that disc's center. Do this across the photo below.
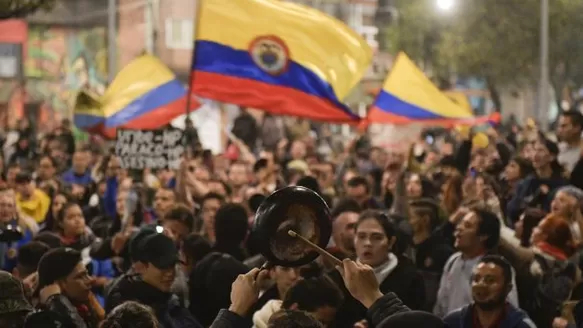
(191, 73)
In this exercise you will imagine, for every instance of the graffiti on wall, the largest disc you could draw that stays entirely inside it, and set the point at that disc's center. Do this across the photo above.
(60, 61)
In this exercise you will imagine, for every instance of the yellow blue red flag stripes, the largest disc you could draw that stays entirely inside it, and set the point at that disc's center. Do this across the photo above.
(144, 95)
(281, 57)
(408, 96)
(461, 99)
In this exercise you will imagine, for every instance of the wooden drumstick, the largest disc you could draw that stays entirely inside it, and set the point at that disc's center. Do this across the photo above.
(315, 247)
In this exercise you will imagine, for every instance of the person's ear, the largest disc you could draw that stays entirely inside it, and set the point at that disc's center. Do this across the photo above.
(139, 267)
(272, 273)
(294, 306)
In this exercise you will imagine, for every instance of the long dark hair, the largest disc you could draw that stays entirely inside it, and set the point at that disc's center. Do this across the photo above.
(50, 218)
(525, 166)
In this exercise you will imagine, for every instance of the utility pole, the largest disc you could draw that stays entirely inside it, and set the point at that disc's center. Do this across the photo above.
(543, 92)
(149, 30)
(112, 38)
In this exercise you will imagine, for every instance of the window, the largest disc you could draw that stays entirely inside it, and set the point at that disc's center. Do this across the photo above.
(179, 33)
(10, 60)
(369, 33)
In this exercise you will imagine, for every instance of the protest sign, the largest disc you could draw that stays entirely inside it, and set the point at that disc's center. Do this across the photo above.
(158, 149)
(394, 138)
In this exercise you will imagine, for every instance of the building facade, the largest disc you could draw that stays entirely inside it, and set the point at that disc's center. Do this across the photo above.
(61, 51)
(58, 52)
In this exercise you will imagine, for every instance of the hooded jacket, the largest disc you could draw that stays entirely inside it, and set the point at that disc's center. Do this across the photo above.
(514, 318)
(166, 306)
(399, 276)
(210, 283)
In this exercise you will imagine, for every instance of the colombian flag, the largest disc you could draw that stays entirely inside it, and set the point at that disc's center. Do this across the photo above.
(284, 58)
(461, 99)
(408, 96)
(144, 95)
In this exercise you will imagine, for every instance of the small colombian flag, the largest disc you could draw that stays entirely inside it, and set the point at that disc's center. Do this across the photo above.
(144, 95)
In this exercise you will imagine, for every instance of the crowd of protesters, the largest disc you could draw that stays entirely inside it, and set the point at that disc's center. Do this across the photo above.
(451, 234)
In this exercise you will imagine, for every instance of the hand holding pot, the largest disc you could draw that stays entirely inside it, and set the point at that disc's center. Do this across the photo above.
(245, 291)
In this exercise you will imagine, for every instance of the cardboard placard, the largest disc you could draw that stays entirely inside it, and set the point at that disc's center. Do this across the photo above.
(157, 149)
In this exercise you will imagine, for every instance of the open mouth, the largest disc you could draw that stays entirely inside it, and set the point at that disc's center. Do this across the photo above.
(480, 296)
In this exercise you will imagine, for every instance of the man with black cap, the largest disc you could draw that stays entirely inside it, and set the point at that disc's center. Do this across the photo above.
(152, 287)
(132, 253)
(65, 287)
(13, 304)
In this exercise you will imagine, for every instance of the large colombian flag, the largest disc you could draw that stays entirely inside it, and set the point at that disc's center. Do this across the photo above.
(408, 96)
(281, 57)
(144, 95)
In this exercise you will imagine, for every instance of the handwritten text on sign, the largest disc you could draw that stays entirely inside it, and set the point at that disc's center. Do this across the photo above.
(149, 149)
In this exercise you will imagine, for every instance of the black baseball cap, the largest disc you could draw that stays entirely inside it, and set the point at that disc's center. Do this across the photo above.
(160, 251)
(133, 249)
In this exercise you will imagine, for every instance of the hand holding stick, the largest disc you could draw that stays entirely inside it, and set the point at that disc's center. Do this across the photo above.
(315, 247)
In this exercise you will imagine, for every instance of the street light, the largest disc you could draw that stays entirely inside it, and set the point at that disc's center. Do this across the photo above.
(445, 5)
(543, 91)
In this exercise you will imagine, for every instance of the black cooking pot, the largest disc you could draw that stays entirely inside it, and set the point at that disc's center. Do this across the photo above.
(292, 208)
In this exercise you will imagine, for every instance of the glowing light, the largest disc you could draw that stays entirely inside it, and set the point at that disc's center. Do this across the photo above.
(445, 5)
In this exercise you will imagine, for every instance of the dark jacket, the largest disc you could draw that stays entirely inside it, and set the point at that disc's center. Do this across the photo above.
(166, 306)
(270, 294)
(228, 319)
(514, 318)
(430, 257)
(528, 194)
(386, 312)
(210, 283)
(69, 314)
(404, 281)
(578, 314)
(389, 312)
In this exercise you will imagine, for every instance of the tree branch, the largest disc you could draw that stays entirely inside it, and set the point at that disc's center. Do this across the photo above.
(23, 8)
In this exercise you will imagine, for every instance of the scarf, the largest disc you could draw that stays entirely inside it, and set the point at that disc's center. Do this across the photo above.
(552, 251)
(382, 271)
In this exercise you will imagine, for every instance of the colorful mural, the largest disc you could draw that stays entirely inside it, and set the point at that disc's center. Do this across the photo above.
(62, 60)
